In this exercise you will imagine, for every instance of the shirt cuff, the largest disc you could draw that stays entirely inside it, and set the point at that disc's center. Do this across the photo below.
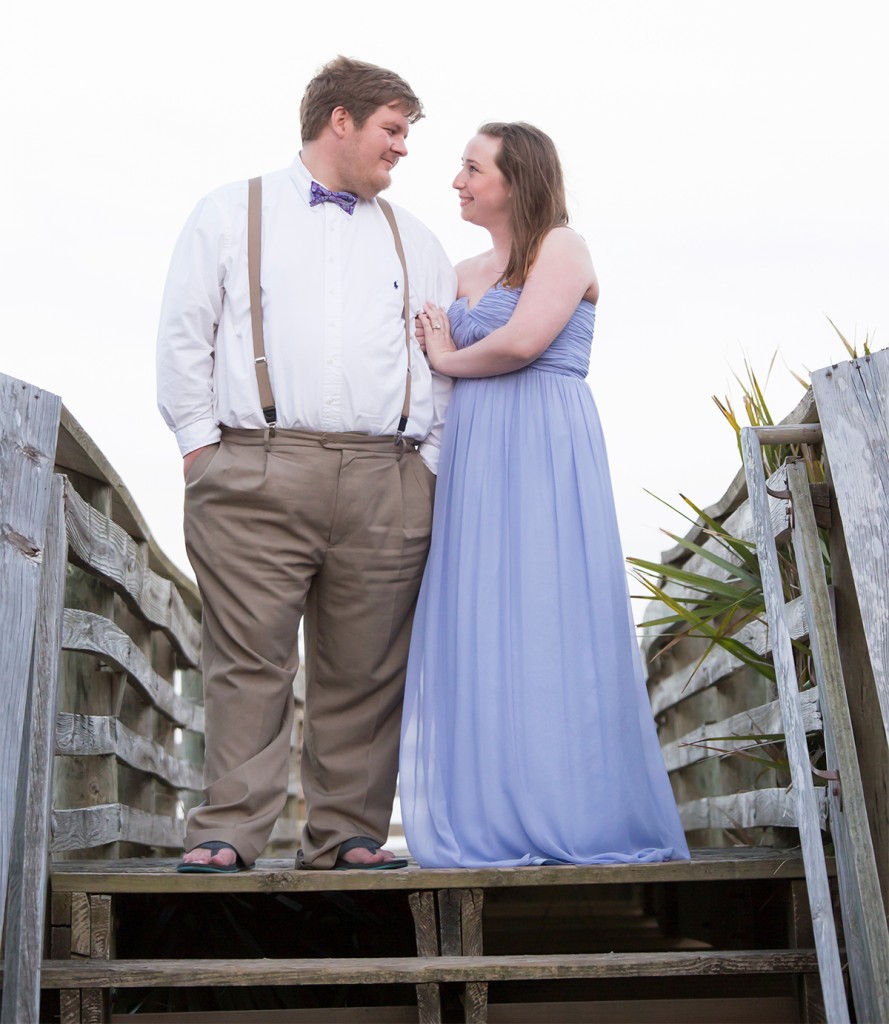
(197, 435)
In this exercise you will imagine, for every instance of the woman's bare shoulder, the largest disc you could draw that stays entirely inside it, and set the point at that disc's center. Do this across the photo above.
(564, 256)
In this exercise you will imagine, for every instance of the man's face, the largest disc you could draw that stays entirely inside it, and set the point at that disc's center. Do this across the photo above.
(369, 153)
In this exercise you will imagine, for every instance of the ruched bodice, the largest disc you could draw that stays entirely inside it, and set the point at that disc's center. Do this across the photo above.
(568, 354)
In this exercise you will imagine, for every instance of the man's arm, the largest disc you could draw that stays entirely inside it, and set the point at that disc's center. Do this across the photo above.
(190, 313)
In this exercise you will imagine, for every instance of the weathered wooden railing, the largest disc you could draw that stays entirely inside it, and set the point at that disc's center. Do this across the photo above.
(100, 640)
(729, 798)
(701, 699)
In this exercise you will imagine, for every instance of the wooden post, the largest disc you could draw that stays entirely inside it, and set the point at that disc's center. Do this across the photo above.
(853, 407)
(460, 922)
(867, 938)
(870, 735)
(422, 906)
(30, 850)
(29, 425)
(801, 936)
(87, 687)
(808, 817)
(95, 1003)
(471, 930)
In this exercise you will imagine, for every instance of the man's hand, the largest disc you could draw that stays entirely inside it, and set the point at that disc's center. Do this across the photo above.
(420, 332)
(188, 459)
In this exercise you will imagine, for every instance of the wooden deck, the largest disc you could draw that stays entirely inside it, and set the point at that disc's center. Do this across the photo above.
(625, 940)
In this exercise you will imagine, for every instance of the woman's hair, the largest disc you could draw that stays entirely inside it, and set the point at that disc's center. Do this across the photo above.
(359, 87)
(530, 165)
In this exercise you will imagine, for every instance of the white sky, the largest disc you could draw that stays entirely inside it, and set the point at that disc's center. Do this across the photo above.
(727, 163)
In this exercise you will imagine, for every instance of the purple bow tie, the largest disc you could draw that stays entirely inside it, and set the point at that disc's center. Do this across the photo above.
(344, 200)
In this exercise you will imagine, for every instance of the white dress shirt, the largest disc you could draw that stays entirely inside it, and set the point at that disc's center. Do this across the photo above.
(332, 302)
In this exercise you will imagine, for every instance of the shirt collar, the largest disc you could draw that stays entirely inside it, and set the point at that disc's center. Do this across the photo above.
(303, 179)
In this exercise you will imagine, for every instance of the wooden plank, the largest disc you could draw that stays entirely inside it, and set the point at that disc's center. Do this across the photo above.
(86, 827)
(60, 949)
(311, 1015)
(709, 740)
(449, 921)
(808, 814)
(800, 935)
(95, 1002)
(26, 900)
(471, 906)
(29, 423)
(77, 451)
(88, 685)
(864, 923)
(870, 735)
(726, 1010)
(456, 908)
(148, 874)
(101, 547)
(69, 999)
(668, 692)
(757, 808)
(422, 906)
(80, 924)
(95, 634)
(853, 406)
(413, 970)
(80, 735)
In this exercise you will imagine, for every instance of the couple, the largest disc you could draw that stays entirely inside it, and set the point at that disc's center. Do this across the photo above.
(290, 367)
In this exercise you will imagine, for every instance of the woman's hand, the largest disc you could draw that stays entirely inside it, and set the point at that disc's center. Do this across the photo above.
(436, 334)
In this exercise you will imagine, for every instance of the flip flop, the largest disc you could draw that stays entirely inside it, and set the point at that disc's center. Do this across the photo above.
(214, 846)
(365, 843)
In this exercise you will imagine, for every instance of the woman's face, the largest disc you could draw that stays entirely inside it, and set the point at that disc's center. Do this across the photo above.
(484, 194)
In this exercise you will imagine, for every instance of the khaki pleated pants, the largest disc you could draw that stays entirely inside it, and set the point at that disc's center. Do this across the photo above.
(335, 527)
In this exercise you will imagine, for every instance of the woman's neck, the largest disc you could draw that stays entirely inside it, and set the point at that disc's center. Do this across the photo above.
(501, 240)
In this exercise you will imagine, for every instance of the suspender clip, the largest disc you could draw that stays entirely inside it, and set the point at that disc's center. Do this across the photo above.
(399, 434)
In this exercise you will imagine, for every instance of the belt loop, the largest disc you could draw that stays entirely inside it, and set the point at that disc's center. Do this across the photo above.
(268, 434)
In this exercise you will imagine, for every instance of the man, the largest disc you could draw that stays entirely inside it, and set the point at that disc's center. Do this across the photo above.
(302, 494)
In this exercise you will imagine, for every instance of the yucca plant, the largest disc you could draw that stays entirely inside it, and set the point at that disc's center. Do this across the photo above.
(717, 609)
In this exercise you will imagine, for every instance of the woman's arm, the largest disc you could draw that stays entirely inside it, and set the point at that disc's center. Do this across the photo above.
(562, 275)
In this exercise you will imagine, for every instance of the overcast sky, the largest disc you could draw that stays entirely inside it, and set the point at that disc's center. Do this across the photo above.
(727, 163)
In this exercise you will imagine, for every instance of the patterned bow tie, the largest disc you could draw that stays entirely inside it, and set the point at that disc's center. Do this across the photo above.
(344, 200)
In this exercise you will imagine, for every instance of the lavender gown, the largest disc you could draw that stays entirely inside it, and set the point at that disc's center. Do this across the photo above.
(527, 732)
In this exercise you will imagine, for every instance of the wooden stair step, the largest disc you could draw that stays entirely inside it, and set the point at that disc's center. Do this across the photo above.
(279, 875)
(84, 973)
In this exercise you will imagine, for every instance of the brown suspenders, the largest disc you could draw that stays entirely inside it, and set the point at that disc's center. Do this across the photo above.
(254, 245)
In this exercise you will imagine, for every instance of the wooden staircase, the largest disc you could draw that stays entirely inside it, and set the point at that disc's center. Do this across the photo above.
(612, 943)
(101, 637)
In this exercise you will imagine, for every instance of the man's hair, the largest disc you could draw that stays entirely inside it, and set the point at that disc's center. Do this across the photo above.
(359, 87)
(531, 168)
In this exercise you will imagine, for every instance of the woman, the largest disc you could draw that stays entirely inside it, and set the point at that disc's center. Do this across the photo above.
(527, 735)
